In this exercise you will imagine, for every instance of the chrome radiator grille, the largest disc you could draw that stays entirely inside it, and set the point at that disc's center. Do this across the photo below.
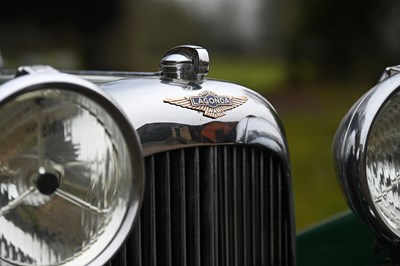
(217, 205)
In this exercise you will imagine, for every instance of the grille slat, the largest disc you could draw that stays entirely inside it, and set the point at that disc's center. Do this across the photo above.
(134, 244)
(246, 210)
(255, 176)
(219, 205)
(271, 213)
(147, 232)
(193, 207)
(163, 211)
(206, 207)
(263, 231)
(237, 214)
(216, 208)
(179, 252)
(225, 189)
(279, 212)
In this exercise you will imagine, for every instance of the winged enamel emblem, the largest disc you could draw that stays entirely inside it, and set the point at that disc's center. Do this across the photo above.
(208, 102)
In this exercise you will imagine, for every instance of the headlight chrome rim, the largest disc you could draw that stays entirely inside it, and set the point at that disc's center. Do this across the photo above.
(30, 83)
(350, 154)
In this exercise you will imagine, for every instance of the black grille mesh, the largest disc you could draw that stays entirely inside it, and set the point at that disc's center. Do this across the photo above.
(218, 205)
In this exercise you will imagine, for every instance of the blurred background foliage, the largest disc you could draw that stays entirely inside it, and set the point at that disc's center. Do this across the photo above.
(311, 59)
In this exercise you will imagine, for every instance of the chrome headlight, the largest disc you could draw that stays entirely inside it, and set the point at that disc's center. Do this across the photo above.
(71, 172)
(367, 153)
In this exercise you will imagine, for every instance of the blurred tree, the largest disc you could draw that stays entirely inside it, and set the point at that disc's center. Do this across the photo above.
(341, 39)
(105, 35)
(158, 26)
(43, 27)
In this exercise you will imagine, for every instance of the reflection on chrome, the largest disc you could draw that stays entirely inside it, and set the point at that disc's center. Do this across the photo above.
(16, 201)
(80, 203)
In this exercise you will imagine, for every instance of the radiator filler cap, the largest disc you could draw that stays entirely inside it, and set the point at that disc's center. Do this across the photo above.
(187, 63)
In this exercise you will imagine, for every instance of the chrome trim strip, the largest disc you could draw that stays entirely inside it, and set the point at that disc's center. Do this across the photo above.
(95, 76)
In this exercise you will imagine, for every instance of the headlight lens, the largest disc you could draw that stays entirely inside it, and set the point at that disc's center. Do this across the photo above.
(71, 174)
(383, 163)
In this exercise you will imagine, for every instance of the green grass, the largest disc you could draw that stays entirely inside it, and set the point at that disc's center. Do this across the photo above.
(310, 122)
(257, 74)
(310, 135)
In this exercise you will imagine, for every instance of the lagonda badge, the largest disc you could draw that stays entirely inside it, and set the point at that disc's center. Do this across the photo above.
(208, 102)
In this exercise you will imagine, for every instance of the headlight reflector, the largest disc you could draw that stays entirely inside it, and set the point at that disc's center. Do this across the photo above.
(71, 173)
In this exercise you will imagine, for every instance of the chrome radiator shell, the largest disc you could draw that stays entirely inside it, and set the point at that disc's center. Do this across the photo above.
(172, 135)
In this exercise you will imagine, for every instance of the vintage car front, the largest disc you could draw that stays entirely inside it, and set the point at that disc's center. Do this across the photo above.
(164, 168)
